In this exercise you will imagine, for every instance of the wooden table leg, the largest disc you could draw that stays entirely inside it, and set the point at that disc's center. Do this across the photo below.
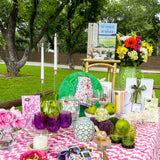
(114, 76)
(109, 74)
(86, 67)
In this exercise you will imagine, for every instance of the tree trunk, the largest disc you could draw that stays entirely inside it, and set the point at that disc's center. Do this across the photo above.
(12, 69)
(11, 59)
(157, 46)
(70, 61)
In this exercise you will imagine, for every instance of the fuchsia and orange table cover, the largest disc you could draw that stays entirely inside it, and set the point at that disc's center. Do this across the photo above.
(147, 145)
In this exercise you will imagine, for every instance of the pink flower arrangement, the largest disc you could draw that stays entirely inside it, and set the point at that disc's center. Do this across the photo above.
(11, 120)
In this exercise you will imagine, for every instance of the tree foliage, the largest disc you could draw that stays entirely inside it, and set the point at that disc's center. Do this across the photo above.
(139, 16)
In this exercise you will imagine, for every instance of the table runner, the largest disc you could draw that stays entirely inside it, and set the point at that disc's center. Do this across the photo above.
(146, 148)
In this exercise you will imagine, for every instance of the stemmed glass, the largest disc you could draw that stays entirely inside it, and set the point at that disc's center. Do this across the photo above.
(95, 97)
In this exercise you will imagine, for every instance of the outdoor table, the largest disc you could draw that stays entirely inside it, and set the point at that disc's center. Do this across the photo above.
(146, 147)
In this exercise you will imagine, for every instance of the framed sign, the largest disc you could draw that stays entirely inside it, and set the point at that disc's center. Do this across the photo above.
(101, 40)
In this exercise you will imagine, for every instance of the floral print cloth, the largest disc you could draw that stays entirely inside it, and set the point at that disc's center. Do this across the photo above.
(84, 90)
(30, 106)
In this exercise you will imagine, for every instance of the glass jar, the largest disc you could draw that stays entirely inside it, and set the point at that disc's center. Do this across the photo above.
(72, 105)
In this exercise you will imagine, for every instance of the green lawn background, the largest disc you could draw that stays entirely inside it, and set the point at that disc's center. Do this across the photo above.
(29, 81)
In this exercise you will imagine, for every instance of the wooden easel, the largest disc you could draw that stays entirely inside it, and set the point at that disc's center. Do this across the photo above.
(110, 64)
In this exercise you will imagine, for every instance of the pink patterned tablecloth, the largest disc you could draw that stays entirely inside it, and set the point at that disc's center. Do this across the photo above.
(146, 148)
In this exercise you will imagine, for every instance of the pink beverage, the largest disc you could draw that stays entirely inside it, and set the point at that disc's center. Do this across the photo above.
(65, 119)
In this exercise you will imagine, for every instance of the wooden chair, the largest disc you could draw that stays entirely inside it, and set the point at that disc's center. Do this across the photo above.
(110, 64)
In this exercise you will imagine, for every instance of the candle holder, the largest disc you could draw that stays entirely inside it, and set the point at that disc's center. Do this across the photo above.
(40, 142)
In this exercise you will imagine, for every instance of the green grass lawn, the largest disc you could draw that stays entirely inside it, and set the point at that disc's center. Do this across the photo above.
(29, 81)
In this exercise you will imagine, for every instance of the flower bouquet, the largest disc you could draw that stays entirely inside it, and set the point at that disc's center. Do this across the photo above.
(131, 50)
(10, 121)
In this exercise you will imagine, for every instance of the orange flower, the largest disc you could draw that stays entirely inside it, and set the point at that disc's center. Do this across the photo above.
(130, 42)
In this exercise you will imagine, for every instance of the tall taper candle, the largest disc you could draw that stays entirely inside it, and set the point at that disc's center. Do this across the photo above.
(55, 53)
(42, 63)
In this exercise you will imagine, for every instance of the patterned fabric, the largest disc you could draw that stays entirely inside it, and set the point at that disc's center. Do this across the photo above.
(30, 106)
(84, 90)
(147, 145)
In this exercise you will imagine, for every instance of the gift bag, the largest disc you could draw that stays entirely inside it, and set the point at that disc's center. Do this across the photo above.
(84, 90)
(30, 106)
(118, 100)
(135, 93)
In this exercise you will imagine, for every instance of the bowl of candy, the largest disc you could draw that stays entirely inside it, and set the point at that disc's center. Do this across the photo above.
(90, 111)
(34, 154)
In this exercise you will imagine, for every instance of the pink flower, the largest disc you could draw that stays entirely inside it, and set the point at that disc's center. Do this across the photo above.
(138, 38)
(20, 123)
(17, 113)
(8, 127)
(11, 119)
(137, 47)
(2, 125)
(7, 117)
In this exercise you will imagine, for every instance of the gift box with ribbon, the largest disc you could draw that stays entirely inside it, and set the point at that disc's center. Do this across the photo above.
(135, 93)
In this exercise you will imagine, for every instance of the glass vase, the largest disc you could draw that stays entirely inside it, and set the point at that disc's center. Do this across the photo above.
(7, 140)
(124, 73)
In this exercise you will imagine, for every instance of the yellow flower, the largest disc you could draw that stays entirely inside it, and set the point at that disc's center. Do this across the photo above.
(121, 51)
(150, 50)
(145, 44)
(133, 55)
(148, 47)
(145, 57)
